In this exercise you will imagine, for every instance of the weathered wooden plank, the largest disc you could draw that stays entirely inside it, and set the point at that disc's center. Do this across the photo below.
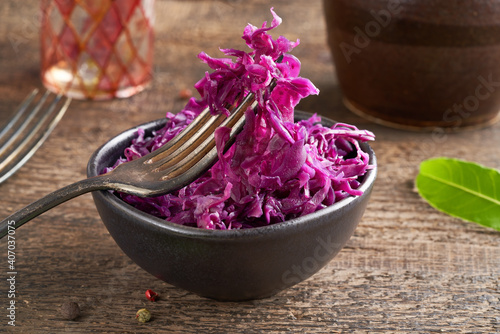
(407, 269)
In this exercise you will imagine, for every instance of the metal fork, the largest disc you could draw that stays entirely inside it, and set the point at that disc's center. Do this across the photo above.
(28, 129)
(176, 164)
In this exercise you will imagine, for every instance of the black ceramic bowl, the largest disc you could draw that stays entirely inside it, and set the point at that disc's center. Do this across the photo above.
(231, 265)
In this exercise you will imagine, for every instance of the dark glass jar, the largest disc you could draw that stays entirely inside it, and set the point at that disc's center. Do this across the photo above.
(418, 64)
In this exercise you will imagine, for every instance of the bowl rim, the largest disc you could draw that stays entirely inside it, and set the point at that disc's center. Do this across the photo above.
(195, 232)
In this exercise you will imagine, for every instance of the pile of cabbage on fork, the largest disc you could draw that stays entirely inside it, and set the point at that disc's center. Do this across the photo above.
(276, 169)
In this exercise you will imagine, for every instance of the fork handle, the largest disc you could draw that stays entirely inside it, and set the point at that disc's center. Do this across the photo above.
(51, 200)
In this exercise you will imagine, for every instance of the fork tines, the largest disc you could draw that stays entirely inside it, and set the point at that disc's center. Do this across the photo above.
(28, 128)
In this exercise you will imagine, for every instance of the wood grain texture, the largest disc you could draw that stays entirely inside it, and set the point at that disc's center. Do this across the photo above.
(408, 268)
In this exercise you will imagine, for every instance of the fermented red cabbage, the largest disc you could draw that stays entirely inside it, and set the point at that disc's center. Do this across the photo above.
(277, 169)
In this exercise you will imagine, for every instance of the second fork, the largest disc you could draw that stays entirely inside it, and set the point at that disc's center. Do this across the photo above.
(28, 128)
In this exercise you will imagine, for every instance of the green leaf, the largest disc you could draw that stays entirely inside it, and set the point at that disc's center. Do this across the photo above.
(461, 189)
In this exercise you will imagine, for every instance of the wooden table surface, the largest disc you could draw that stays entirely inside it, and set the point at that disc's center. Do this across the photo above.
(408, 268)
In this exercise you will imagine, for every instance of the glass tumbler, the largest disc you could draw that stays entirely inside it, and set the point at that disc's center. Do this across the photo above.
(97, 49)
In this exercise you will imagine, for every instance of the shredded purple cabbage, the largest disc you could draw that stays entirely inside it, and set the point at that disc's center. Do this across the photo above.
(277, 169)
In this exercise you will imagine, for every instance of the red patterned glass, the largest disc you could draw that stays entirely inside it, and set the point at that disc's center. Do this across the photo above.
(97, 49)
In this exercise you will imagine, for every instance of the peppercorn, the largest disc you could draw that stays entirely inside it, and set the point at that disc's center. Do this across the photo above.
(143, 315)
(151, 295)
(70, 310)
(185, 94)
